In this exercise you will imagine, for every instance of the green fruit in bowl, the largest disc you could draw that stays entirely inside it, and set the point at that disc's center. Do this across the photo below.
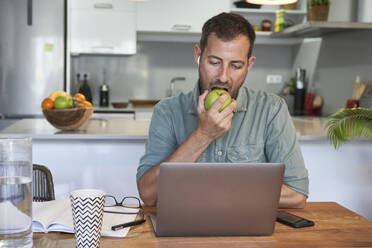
(63, 102)
(213, 96)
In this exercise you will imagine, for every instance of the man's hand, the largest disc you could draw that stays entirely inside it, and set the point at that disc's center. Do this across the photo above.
(291, 199)
(212, 123)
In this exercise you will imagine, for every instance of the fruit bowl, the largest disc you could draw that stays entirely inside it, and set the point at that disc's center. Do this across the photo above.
(68, 119)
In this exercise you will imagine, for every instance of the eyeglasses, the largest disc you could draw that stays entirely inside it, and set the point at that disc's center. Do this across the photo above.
(130, 202)
(127, 202)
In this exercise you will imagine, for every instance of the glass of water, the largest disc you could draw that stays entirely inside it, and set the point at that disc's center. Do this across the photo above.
(15, 192)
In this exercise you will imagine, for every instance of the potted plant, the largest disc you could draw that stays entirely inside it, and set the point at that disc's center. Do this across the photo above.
(318, 10)
(349, 123)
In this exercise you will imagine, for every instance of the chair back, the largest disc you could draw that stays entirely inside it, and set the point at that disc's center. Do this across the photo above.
(42, 184)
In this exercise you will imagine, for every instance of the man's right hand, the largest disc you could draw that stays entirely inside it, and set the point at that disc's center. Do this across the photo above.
(212, 123)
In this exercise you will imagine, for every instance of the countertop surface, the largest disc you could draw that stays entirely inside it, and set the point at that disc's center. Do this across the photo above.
(94, 129)
(308, 128)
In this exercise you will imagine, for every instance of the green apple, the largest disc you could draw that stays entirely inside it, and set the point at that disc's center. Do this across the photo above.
(63, 102)
(213, 96)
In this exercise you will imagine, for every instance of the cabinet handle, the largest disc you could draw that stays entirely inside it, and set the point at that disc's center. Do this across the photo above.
(103, 47)
(103, 6)
(29, 12)
(181, 27)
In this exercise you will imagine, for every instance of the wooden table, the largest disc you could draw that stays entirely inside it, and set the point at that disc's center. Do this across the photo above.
(335, 226)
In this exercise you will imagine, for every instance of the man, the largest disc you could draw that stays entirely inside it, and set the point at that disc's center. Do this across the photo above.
(255, 127)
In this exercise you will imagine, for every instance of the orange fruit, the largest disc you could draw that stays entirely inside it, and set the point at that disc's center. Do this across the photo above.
(79, 105)
(79, 97)
(87, 104)
(47, 104)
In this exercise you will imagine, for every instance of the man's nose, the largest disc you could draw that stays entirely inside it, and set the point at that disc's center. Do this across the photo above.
(224, 73)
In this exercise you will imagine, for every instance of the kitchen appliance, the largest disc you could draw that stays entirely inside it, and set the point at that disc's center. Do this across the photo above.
(32, 54)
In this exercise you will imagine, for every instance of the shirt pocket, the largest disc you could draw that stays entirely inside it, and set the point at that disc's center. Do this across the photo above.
(246, 153)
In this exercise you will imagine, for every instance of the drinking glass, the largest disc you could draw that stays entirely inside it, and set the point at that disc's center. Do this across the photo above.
(15, 192)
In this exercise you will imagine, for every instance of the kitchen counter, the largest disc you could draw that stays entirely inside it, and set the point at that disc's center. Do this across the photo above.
(129, 112)
(128, 109)
(308, 129)
(94, 129)
(131, 129)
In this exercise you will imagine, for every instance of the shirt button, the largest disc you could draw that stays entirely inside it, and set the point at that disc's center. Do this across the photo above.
(219, 153)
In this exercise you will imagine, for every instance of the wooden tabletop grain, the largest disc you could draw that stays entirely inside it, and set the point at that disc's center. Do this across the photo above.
(335, 226)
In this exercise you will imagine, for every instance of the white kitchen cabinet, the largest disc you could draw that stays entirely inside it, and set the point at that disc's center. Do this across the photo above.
(177, 16)
(102, 26)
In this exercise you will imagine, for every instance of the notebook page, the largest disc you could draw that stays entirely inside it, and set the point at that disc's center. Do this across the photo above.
(110, 220)
(63, 223)
(44, 213)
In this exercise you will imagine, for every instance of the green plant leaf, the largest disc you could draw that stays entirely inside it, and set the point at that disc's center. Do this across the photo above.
(347, 124)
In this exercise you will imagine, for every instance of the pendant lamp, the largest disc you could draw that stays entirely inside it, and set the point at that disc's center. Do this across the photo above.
(271, 2)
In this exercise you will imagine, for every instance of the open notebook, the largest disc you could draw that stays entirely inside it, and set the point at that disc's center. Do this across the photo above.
(56, 216)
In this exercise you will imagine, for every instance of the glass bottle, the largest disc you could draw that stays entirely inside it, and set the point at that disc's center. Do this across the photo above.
(85, 89)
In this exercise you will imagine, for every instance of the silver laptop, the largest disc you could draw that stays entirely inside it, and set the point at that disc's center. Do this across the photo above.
(217, 199)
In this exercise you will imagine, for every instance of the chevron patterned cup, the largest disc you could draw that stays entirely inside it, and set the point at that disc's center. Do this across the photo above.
(87, 213)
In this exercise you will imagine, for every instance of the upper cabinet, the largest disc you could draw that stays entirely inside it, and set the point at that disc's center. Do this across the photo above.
(177, 16)
(169, 20)
(102, 26)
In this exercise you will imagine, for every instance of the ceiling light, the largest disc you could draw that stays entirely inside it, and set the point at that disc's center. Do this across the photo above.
(271, 2)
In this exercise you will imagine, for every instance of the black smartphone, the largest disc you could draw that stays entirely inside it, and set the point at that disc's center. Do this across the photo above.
(293, 220)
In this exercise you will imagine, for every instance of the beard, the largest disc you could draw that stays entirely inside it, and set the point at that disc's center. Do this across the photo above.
(217, 84)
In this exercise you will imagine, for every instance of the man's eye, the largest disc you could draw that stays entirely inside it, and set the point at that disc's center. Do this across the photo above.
(214, 62)
(236, 67)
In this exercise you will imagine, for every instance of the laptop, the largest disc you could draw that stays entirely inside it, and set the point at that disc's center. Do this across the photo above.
(217, 199)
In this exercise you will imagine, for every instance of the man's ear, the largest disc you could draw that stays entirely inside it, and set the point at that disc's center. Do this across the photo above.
(197, 54)
(251, 62)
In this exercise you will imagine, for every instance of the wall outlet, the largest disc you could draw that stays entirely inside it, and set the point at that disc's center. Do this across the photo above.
(274, 79)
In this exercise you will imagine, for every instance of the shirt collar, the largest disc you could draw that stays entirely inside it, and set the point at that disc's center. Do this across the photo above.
(241, 100)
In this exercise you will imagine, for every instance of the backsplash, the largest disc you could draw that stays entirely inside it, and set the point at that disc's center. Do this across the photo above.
(147, 74)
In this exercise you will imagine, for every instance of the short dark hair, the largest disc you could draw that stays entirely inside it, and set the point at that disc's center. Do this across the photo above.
(227, 26)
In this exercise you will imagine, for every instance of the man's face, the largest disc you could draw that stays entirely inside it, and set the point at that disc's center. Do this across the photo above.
(224, 64)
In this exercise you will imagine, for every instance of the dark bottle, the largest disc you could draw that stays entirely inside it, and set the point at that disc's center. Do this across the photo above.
(299, 92)
(104, 92)
(104, 95)
(85, 89)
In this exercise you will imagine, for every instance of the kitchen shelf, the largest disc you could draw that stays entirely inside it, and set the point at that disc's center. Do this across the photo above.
(170, 36)
(262, 38)
(319, 29)
(266, 11)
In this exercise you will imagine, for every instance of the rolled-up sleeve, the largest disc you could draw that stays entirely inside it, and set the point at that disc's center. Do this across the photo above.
(161, 141)
(282, 147)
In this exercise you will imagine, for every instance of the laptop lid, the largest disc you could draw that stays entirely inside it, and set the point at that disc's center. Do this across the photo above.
(218, 199)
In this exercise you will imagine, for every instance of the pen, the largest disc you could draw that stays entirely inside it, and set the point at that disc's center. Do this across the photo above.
(121, 226)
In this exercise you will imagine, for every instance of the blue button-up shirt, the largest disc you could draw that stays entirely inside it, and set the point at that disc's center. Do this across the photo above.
(261, 131)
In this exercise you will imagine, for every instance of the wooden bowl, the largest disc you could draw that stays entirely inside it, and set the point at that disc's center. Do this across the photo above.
(143, 103)
(119, 104)
(68, 119)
